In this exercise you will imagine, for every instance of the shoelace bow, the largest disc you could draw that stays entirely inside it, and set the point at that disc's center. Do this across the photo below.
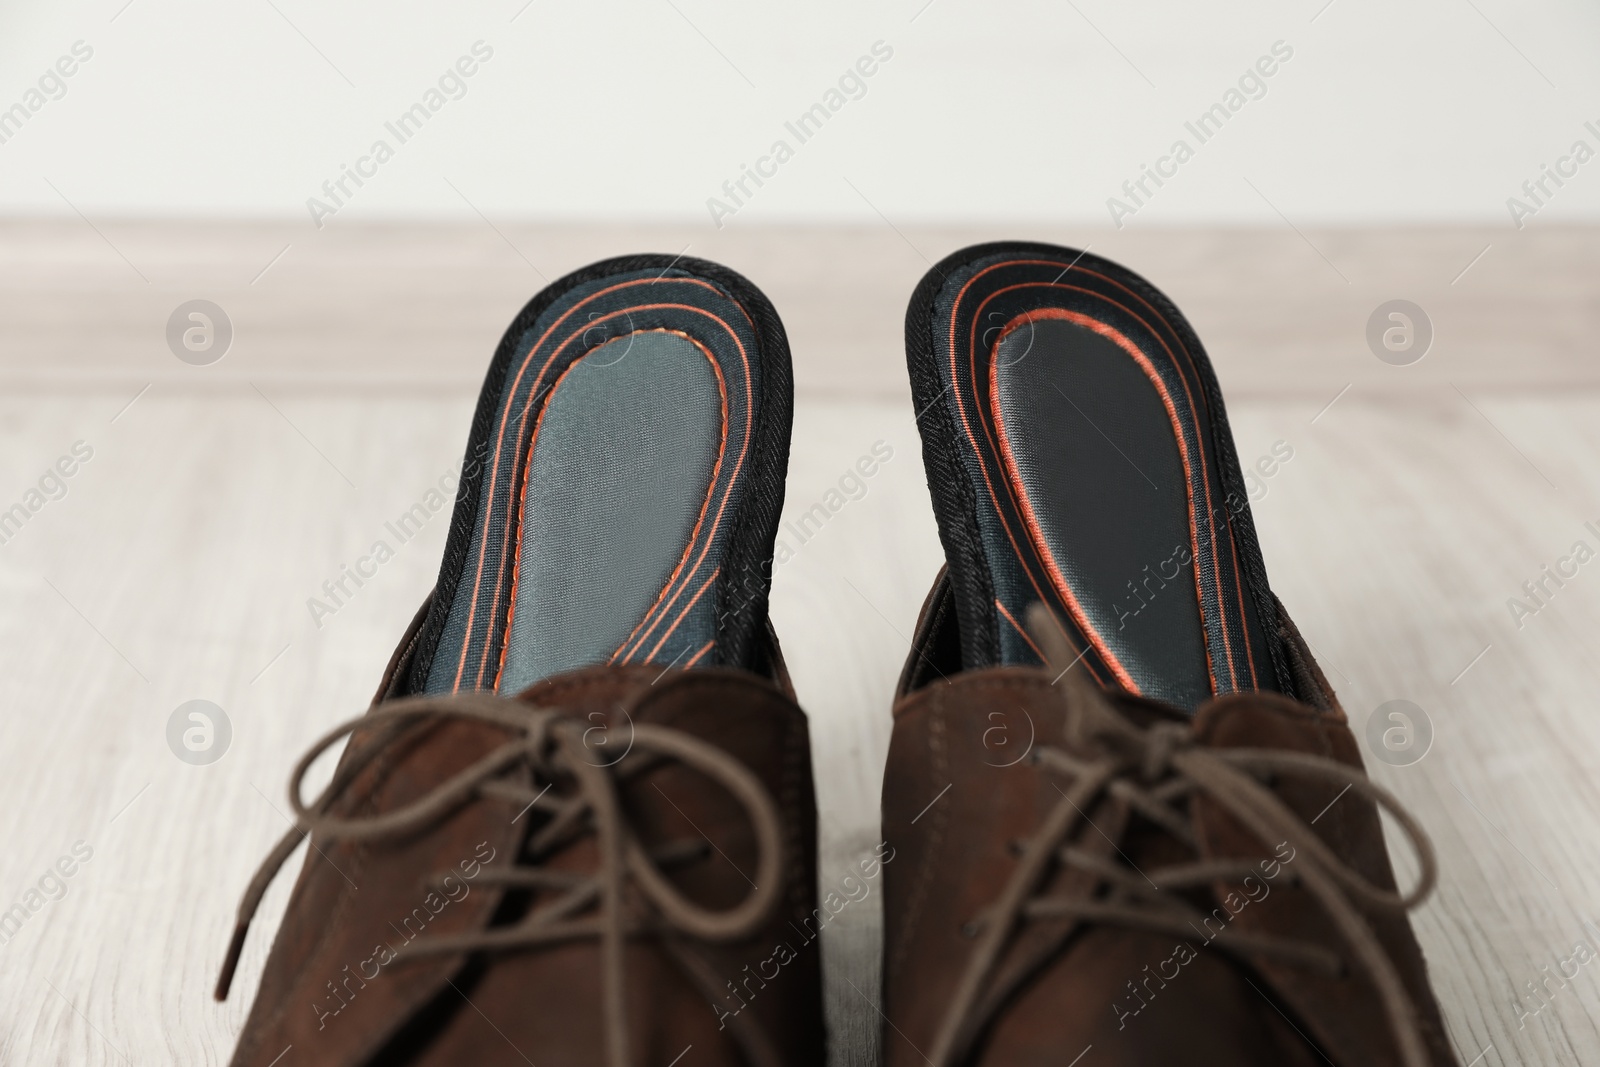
(547, 745)
(1150, 770)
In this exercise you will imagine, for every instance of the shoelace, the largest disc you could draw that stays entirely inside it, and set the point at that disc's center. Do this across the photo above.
(546, 745)
(1151, 769)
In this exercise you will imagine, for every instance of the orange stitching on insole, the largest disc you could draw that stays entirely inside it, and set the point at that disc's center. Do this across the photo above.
(716, 471)
(1041, 547)
(1189, 396)
(1201, 410)
(721, 387)
(516, 571)
(636, 642)
(522, 504)
(1024, 634)
(684, 614)
(494, 469)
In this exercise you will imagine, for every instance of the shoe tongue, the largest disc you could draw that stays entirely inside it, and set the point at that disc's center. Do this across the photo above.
(1342, 1016)
(1265, 720)
(1271, 722)
(1145, 713)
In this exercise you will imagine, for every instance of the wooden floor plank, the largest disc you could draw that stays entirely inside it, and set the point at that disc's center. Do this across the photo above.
(179, 561)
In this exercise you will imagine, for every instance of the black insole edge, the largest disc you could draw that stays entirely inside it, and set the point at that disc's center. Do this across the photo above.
(1103, 501)
(955, 495)
(744, 583)
(1225, 630)
(623, 493)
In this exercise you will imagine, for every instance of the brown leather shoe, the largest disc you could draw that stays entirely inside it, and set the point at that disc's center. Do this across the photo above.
(577, 825)
(1130, 819)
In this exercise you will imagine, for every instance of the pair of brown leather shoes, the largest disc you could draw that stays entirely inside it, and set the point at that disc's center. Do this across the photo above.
(1124, 817)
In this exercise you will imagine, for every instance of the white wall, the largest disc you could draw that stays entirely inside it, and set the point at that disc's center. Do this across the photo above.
(1430, 111)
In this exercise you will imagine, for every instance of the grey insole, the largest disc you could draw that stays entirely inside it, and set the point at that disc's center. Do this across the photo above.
(621, 466)
(1097, 457)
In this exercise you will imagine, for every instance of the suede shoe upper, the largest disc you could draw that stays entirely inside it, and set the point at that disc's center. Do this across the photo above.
(1086, 869)
(615, 866)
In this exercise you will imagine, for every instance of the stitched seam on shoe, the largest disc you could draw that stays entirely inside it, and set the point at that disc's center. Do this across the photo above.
(382, 768)
(307, 971)
(789, 775)
(1341, 825)
(793, 738)
(919, 892)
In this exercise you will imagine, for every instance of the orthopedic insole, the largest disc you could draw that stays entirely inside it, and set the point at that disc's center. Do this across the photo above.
(1079, 455)
(622, 483)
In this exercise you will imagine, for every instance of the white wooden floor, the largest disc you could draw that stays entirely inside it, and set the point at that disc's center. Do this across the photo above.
(178, 565)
